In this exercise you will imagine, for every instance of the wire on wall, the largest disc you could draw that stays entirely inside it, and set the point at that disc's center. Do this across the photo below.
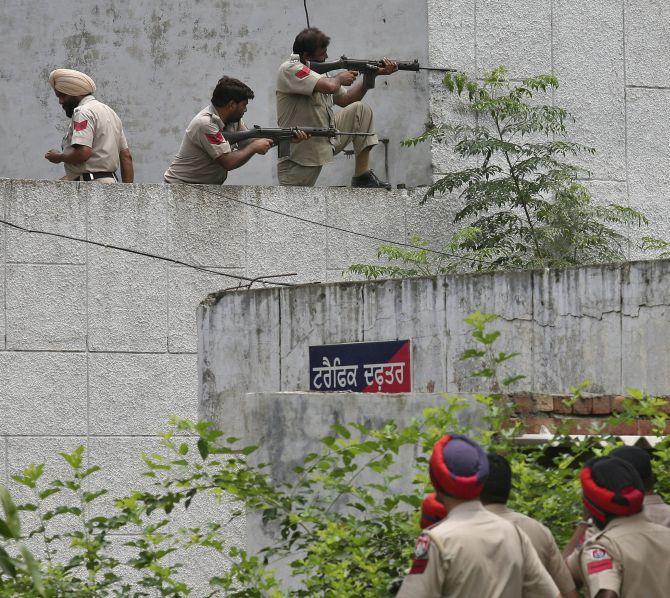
(306, 13)
(348, 231)
(260, 279)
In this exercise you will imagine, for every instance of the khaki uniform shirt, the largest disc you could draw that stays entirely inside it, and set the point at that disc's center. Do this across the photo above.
(543, 542)
(475, 553)
(97, 126)
(630, 556)
(656, 510)
(204, 142)
(298, 104)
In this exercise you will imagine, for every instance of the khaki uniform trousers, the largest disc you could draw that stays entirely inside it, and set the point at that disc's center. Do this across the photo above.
(355, 118)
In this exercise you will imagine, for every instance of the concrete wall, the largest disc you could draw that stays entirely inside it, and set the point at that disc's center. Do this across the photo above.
(99, 347)
(156, 64)
(610, 57)
(607, 324)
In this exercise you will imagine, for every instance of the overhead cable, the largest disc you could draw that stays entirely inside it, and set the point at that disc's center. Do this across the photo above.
(348, 231)
(247, 279)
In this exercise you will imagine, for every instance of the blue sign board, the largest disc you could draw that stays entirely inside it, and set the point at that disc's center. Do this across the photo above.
(361, 367)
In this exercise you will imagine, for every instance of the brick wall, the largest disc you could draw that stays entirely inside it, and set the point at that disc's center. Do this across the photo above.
(549, 411)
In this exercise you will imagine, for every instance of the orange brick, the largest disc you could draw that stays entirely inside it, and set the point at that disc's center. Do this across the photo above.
(544, 403)
(523, 402)
(533, 424)
(624, 429)
(560, 406)
(583, 406)
(602, 405)
(617, 403)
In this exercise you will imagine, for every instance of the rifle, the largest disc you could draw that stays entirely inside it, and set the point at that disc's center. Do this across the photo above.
(282, 137)
(370, 67)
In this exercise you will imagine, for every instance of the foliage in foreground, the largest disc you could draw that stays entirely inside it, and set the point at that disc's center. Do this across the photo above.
(345, 521)
(522, 204)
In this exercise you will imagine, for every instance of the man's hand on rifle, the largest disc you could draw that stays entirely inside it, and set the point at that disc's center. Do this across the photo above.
(299, 135)
(346, 78)
(261, 146)
(390, 67)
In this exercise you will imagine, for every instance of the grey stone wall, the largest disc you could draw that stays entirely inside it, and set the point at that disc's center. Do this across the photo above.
(156, 64)
(608, 324)
(98, 347)
(611, 58)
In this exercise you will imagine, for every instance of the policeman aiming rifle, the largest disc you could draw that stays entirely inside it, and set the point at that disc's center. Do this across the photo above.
(282, 137)
(371, 67)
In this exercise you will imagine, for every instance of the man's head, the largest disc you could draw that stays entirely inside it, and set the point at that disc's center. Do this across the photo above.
(499, 483)
(311, 44)
(432, 511)
(458, 468)
(230, 97)
(610, 488)
(640, 460)
(70, 88)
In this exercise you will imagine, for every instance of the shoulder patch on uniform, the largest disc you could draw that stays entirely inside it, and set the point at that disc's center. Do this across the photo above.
(420, 561)
(80, 126)
(215, 139)
(599, 566)
(598, 554)
(422, 546)
(303, 72)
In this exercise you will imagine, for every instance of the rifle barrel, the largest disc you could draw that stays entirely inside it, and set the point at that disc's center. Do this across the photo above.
(437, 68)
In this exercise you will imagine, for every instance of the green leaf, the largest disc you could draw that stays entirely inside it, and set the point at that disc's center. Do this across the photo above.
(75, 458)
(203, 448)
(7, 563)
(341, 430)
(91, 496)
(33, 570)
(11, 526)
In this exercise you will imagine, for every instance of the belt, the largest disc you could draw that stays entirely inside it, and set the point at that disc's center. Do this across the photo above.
(92, 176)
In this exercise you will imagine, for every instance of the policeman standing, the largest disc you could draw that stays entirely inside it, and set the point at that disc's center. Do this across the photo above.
(95, 145)
(472, 552)
(653, 506)
(305, 98)
(628, 556)
(494, 497)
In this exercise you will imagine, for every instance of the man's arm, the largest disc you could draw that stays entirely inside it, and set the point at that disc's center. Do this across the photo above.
(233, 160)
(75, 154)
(576, 539)
(358, 91)
(331, 85)
(127, 170)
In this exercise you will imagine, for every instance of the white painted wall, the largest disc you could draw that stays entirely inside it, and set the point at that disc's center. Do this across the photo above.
(607, 324)
(611, 58)
(99, 347)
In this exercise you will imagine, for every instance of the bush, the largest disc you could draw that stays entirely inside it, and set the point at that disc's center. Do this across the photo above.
(522, 204)
(345, 523)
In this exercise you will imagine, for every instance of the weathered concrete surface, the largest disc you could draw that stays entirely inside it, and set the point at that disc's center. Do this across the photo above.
(287, 426)
(611, 62)
(99, 347)
(607, 324)
(157, 63)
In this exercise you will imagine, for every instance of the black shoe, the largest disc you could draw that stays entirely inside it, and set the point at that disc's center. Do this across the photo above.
(369, 179)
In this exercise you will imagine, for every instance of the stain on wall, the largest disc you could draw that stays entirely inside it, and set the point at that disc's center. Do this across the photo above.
(157, 63)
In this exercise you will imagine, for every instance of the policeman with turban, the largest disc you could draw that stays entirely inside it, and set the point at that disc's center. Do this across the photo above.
(627, 555)
(471, 552)
(94, 146)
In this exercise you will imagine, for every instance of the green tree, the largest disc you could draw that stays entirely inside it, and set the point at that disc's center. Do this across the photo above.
(522, 203)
